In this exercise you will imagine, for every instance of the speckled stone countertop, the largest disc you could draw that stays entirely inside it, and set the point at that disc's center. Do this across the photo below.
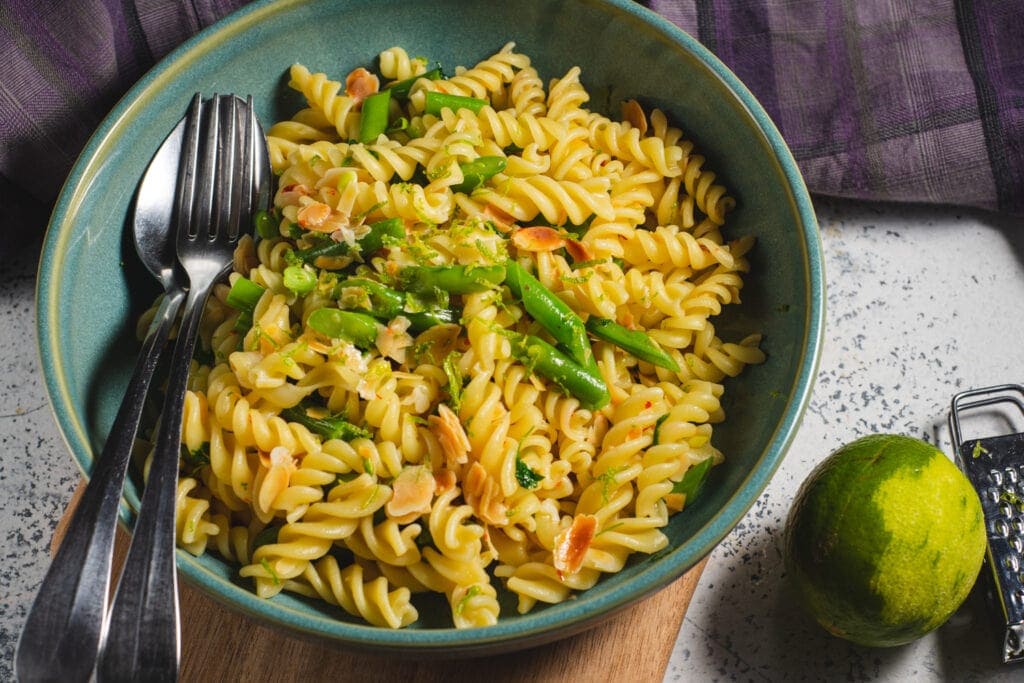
(922, 303)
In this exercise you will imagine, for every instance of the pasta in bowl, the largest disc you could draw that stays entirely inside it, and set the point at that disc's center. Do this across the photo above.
(465, 385)
(473, 347)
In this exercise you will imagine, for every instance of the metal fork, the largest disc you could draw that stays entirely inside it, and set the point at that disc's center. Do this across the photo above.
(224, 181)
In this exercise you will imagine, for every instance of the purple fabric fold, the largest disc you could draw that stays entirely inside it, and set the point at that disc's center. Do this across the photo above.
(894, 100)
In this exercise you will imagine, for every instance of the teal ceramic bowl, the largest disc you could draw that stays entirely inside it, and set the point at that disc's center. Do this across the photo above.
(92, 287)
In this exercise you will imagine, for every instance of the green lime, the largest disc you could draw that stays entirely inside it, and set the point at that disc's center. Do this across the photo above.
(884, 540)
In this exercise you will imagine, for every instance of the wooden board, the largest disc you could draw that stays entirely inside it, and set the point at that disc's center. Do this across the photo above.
(220, 645)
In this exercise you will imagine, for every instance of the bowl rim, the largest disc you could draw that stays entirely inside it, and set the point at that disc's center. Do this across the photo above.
(567, 617)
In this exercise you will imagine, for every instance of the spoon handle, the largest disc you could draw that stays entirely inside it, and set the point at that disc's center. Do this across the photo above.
(61, 635)
(142, 639)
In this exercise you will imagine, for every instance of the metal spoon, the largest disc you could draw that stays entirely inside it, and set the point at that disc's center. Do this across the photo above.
(61, 635)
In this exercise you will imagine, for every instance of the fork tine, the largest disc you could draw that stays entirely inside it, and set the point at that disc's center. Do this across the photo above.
(202, 212)
(226, 187)
(187, 172)
(252, 138)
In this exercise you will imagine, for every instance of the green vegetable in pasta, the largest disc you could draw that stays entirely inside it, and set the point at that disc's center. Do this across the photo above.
(299, 280)
(369, 243)
(691, 482)
(244, 294)
(436, 101)
(358, 328)
(452, 279)
(451, 369)
(387, 304)
(526, 477)
(550, 363)
(265, 225)
(374, 119)
(478, 171)
(400, 89)
(331, 427)
(552, 313)
(631, 341)
(197, 458)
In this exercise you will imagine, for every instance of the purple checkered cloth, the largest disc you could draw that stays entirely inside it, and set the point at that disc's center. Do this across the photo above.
(893, 100)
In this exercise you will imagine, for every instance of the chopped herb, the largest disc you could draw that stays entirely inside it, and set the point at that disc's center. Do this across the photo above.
(691, 482)
(197, 458)
(526, 476)
(978, 450)
(368, 466)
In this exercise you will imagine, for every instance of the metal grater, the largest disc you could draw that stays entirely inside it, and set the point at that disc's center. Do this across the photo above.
(995, 467)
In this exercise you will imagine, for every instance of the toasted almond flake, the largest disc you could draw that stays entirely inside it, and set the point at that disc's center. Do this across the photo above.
(578, 251)
(572, 543)
(634, 113)
(484, 496)
(314, 215)
(289, 195)
(502, 220)
(451, 434)
(538, 238)
(412, 492)
(360, 84)
(445, 481)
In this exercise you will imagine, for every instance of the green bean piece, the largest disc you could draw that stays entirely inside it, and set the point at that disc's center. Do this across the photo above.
(634, 342)
(374, 119)
(331, 427)
(400, 89)
(452, 279)
(550, 363)
(299, 280)
(369, 243)
(265, 224)
(552, 313)
(436, 101)
(358, 328)
(477, 172)
(244, 294)
(423, 320)
(387, 304)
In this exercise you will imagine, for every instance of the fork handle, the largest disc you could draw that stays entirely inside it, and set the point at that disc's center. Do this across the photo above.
(63, 628)
(142, 639)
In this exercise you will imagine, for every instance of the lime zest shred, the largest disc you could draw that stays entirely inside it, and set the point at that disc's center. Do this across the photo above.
(270, 570)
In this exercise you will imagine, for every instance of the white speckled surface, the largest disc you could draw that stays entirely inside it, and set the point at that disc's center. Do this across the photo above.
(922, 303)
